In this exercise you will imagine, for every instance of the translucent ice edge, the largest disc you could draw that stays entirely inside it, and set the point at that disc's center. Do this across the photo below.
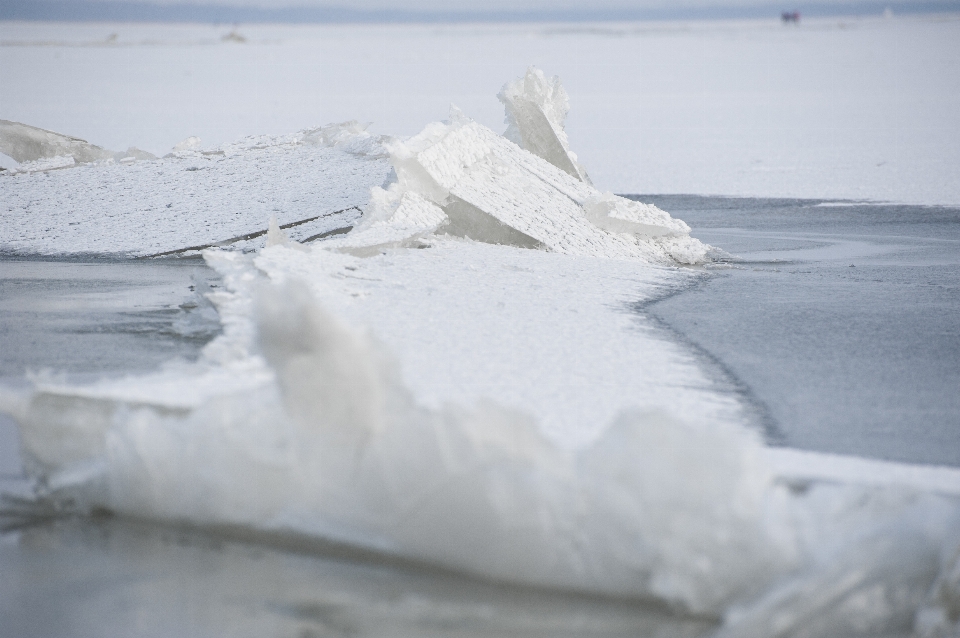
(37, 149)
(535, 112)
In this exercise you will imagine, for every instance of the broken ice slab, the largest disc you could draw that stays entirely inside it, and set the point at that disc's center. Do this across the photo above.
(26, 143)
(535, 111)
(391, 218)
(174, 203)
(494, 191)
(37, 149)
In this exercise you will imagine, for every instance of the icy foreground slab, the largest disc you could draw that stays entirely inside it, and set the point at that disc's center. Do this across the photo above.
(443, 430)
(294, 420)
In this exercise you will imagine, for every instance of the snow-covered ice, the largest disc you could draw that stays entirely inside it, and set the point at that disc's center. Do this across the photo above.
(457, 177)
(462, 379)
(857, 108)
(189, 198)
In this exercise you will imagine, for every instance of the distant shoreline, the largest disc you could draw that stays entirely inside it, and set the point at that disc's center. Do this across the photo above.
(123, 11)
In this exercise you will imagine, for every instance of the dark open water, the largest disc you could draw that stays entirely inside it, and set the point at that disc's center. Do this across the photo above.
(840, 323)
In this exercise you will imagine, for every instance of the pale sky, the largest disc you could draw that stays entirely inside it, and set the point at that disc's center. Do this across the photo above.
(549, 5)
(251, 11)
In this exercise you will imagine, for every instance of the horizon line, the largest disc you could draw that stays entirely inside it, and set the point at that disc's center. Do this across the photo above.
(122, 11)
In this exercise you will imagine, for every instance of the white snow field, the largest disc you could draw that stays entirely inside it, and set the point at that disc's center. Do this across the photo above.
(463, 379)
(864, 108)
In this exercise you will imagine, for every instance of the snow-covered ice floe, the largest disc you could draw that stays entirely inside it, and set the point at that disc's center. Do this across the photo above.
(313, 182)
(464, 379)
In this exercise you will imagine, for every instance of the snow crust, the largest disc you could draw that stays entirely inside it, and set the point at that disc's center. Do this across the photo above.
(392, 218)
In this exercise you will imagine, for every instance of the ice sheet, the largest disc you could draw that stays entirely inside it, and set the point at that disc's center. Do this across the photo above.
(861, 108)
(312, 182)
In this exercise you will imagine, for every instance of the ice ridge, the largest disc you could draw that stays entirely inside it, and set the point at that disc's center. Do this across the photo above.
(489, 189)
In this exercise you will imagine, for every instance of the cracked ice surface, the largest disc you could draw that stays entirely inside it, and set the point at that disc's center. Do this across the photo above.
(188, 198)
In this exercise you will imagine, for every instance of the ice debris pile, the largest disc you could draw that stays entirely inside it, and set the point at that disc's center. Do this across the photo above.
(317, 412)
(457, 178)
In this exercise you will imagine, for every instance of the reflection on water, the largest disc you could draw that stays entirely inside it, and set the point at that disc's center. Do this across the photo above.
(107, 577)
(96, 316)
(840, 322)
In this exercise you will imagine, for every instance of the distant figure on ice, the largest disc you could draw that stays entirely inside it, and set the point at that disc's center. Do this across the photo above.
(790, 16)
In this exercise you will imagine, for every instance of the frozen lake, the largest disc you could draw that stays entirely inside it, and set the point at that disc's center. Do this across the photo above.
(864, 108)
(836, 321)
(89, 317)
(583, 417)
